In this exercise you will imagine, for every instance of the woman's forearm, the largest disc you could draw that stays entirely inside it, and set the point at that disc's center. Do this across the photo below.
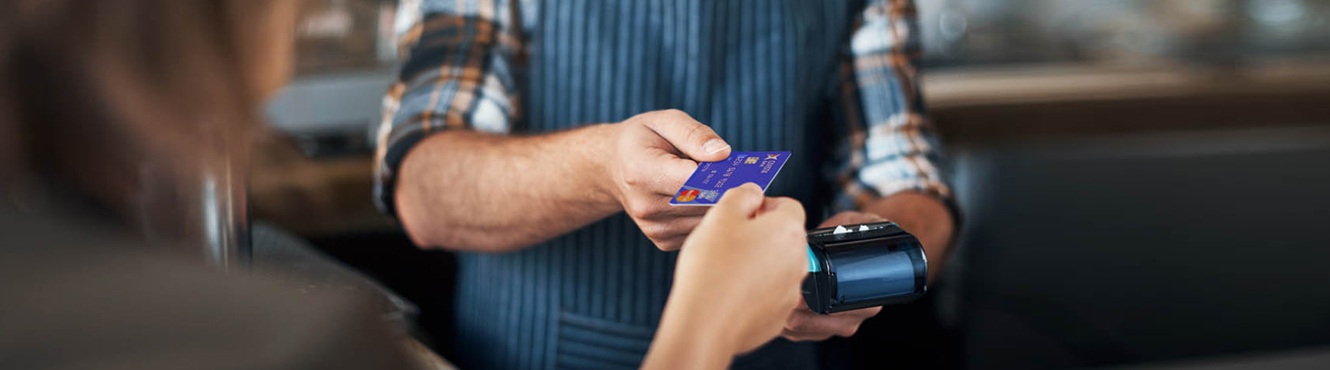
(689, 340)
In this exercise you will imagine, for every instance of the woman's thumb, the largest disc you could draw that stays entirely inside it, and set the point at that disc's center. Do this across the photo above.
(743, 201)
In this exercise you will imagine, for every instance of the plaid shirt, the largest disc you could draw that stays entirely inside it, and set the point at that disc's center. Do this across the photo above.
(831, 81)
(464, 62)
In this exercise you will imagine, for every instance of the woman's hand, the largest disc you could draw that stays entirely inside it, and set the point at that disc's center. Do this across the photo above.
(737, 279)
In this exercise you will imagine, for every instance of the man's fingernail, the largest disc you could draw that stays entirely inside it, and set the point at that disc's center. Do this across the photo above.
(715, 146)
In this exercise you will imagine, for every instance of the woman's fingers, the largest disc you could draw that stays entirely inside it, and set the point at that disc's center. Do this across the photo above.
(743, 201)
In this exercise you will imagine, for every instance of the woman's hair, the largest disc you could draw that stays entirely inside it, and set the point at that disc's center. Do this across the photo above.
(95, 93)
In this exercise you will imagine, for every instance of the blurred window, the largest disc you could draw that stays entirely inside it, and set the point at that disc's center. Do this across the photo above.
(990, 32)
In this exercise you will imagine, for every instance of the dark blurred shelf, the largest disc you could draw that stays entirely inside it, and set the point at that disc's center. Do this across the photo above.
(1051, 100)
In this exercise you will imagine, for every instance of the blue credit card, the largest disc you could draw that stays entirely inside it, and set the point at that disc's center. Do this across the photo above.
(712, 179)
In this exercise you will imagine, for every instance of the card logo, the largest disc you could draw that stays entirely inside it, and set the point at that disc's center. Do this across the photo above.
(773, 156)
(750, 160)
(687, 195)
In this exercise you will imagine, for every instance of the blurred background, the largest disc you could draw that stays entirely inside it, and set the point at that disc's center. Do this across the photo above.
(1143, 181)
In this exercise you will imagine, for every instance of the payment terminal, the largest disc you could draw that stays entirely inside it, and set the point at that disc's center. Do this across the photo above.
(866, 265)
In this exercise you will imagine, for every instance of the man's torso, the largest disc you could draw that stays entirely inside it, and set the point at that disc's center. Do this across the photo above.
(757, 72)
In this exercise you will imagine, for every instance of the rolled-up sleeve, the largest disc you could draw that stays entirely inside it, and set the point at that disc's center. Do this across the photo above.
(458, 73)
(889, 145)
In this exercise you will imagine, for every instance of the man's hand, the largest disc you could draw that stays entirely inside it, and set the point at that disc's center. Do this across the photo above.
(805, 325)
(654, 154)
(472, 191)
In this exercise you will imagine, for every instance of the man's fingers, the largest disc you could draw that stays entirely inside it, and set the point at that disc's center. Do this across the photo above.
(660, 172)
(742, 201)
(806, 324)
(803, 337)
(673, 173)
(692, 138)
(670, 245)
(682, 227)
(859, 314)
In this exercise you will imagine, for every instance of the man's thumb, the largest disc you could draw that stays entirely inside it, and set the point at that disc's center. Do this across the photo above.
(692, 138)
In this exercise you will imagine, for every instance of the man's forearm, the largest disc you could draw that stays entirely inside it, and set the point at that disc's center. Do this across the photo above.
(465, 190)
(924, 216)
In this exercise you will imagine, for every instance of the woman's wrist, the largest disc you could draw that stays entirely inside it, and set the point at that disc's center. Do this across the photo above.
(691, 338)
